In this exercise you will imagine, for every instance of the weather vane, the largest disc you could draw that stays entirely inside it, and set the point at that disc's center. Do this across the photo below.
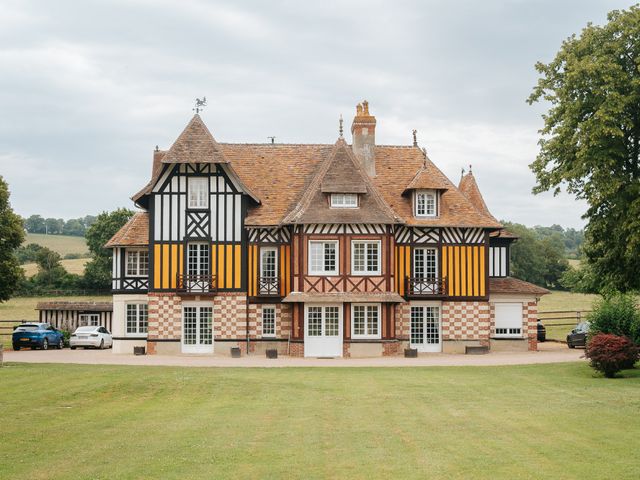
(341, 129)
(200, 104)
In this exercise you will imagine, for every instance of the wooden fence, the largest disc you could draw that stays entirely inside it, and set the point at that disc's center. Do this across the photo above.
(559, 323)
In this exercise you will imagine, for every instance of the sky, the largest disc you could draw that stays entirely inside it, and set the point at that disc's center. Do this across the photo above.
(88, 89)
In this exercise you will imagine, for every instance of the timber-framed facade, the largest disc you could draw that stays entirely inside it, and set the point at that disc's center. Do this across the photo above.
(314, 250)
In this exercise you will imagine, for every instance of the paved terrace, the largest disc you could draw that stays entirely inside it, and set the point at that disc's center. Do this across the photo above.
(548, 353)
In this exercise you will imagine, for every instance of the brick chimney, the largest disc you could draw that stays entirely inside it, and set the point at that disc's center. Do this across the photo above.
(363, 130)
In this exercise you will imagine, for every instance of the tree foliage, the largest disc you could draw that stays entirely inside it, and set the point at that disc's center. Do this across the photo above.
(610, 353)
(11, 236)
(590, 141)
(536, 259)
(98, 271)
(618, 315)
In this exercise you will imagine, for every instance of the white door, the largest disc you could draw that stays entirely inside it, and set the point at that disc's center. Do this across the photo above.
(425, 271)
(425, 328)
(197, 329)
(323, 331)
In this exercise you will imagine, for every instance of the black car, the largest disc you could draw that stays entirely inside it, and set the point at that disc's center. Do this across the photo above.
(542, 332)
(578, 336)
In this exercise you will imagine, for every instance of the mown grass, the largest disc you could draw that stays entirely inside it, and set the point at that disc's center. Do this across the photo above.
(63, 244)
(563, 301)
(72, 265)
(544, 421)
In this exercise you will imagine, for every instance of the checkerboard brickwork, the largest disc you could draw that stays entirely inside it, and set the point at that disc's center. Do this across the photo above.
(229, 316)
(466, 321)
(529, 323)
(165, 316)
(403, 320)
(284, 318)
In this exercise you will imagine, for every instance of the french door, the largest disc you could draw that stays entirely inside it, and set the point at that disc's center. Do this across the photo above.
(425, 331)
(197, 328)
(198, 269)
(323, 330)
(425, 271)
(269, 271)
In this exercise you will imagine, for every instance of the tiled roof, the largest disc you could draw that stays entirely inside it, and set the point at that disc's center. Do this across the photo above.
(395, 169)
(76, 306)
(469, 189)
(195, 145)
(514, 285)
(313, 206)
(428, 178)
(133, 233)
(503, 234)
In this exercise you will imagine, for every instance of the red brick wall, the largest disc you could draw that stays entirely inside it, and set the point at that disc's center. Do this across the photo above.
(466, 321)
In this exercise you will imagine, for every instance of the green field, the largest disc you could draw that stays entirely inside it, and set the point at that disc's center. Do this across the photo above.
(63, 244)
(117, 422)
(563, 301)
(73, 265)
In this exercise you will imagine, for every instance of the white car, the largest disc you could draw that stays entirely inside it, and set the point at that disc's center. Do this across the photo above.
(93, 336)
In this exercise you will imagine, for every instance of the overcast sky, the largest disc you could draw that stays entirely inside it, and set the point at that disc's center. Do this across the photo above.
(87, 89)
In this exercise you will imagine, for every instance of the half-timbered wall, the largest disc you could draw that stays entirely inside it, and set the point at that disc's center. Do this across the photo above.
(121, 282)
(284, 269)
(498, 261)
(174, 225)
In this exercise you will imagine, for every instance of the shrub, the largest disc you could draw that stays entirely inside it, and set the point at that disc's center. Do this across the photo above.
(618, 315)
(611, 353)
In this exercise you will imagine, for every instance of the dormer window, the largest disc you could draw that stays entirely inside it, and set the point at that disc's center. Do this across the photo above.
(344, 200)
(426, 203)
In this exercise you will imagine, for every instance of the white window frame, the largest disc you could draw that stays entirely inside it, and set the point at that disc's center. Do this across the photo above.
(269, 249)
(200, 200)
(367, 243)
(138, 330)
(510, 328)
(416, 203)
(344, 200)
(138, 270)
(270, 308)
(90, 319)
(366, 307)
(323, 272)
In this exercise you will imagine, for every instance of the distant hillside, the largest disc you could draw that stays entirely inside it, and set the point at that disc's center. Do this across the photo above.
(74, 265)
(63, 244)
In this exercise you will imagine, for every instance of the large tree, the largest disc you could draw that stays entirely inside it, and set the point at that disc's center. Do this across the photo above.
(590, 142)
(11, 236)
(98, 271)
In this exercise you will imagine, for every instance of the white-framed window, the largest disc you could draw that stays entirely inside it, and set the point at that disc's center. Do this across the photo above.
(365, 257)
(268, 262)
(323, 257)
(426, 204)
(90, 319)
(344, 200)
(137, 318)
(268, 321)
(508, 320)
(365, 320)
(137, 263)
(198, 192)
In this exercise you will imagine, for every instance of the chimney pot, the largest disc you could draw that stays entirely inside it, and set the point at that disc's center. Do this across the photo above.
(363, 130)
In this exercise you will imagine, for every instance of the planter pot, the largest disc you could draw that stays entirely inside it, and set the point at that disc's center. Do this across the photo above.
(410, 353)
(235, 352)
(139, 350)
(272, 353)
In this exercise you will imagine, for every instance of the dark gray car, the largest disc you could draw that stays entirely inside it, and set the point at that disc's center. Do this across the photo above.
(578, 336)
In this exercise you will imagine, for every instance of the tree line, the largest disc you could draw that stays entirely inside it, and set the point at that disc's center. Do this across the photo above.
(76, 227)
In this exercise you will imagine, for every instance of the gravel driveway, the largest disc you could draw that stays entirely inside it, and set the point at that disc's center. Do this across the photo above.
(548, 353)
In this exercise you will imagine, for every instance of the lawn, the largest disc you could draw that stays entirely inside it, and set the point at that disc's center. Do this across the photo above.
(63, 244)
(23, 308)
(72, 265)
(543, 421)
(563, 301)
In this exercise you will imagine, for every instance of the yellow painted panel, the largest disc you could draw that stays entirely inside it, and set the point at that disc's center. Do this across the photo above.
(214, 262)
(401, 276)
(165, 266)
(470, 272)
(249, 270)
(157, 255)
(174, 265)
(255, 269)
(407, 264)
(482, 271)
(463, 271)
(181, 259)
(476, 271)
(237, 257)
(456, 271)
(222, 262)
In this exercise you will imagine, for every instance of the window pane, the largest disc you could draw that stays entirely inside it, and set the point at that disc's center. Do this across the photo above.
(143, 317)
(190, 324)
(132, 319)
(358, 320)
(268, 321)
(372, 319)
(132, 263)
(198, 192)
(206, 336)
(331, 321)
(432, 325)
(268, 263)
(143, 263)
(314, 321)
(420, 204)
(372, 258)
(329, 257)
(359, 250)
(417, 325)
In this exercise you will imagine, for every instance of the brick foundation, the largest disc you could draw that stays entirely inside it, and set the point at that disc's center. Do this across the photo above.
(390, 349)
(297, 349)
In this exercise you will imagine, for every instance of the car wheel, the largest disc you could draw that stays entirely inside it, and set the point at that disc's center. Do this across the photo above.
(16, 347)
(101, 344)
(72, 348)
(61, 344)
(570, 345)
(45, 344)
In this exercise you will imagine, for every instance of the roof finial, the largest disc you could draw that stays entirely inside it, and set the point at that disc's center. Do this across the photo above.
(200, 104)
(157, 148)
(462, 173)
(341, 130)
(415, 137)
(470, 169)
